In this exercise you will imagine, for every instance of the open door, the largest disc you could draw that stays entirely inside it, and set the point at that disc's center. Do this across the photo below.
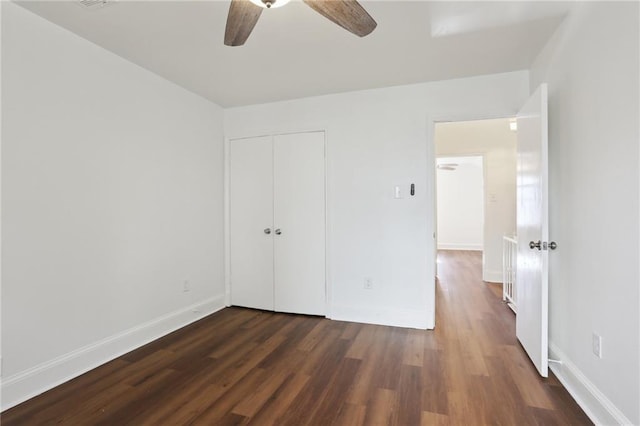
(532, 267)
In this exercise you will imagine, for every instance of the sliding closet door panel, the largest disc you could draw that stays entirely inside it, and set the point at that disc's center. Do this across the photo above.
(251, 222)
(299, 220)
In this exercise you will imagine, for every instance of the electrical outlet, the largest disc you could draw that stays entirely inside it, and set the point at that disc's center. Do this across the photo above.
(368, 283)
(597, 345)
(186, 286)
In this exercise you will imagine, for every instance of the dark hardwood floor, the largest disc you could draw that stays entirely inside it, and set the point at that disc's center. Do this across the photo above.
(241, 366)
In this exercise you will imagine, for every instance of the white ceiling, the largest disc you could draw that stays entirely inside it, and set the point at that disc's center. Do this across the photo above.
(294, 52)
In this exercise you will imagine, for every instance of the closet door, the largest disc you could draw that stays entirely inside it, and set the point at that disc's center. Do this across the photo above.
(251, 222)
(299, 222)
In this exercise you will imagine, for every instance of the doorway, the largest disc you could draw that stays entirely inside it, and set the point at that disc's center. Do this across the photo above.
(482, 154)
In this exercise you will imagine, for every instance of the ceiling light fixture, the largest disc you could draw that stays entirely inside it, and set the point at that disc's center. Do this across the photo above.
(269, 4)
(447, 166)
(94, 4)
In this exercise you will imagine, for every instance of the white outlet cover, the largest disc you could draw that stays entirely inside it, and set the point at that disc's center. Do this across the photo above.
(368, 283)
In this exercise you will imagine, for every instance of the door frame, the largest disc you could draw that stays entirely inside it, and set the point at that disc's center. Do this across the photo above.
(227, 207)
(432, 120)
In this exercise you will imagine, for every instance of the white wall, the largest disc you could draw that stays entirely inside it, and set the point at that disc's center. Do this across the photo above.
(591, 66)
(112, 195)
(377, 139)
(497, 143)
(460, 199)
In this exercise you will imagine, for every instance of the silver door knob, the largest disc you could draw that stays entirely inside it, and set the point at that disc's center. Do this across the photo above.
(537, 245)
(553, 245)
(267, 231)
(278, 231)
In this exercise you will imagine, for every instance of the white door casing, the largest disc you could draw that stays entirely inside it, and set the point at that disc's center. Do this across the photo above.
(250, 213)
(532, 275)
(299, 214)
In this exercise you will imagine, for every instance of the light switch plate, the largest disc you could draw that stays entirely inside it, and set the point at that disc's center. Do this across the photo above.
(397, 194)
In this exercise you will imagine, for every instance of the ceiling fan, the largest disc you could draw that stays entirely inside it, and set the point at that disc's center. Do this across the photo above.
(244, 14)
(447, 166)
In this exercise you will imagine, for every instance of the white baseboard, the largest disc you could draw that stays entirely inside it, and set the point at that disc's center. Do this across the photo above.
(36, 380)
(594, 403)
(492, 276)
(408, 318)
(447, 246)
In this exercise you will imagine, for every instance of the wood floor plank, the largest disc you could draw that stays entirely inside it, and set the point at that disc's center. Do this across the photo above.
(328, 408)
(193, 391)
(232, 419)
(279, 373)
(387, 375)
(434, 419)
(119, 409)
(241, 366)
(62, 398)
(254, 401)
(284, 355)
(351, 330)
(511, 405)
(414, 348)
(277, 406)
(306, 403)
(229, 397)
(382, 407)
(364, 385)
(351, 415)
(316, 335)
(524, 373)
(362, 342)
(409, 396)
(325, 348)
(434, 383)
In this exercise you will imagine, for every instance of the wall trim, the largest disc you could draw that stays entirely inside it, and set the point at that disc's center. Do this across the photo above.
(595, 404)
(408, 318)
(26, 384)
(456, 246)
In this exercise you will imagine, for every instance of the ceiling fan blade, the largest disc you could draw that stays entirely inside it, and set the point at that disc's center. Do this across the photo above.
(243, 16)
(349, 14)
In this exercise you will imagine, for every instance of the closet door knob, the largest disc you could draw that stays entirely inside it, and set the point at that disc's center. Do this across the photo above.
(278, 231)
(267, 231)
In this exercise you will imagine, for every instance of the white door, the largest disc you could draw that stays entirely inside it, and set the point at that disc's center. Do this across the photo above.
(299, 223)
(533, 230)
(251, 222)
